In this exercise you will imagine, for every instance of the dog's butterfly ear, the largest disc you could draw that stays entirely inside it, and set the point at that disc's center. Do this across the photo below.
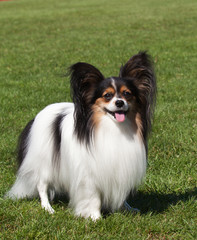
(140, 67)
(140, 70)
(84, 80)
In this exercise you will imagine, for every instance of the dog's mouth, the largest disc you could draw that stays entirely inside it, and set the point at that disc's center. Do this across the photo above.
(118, 115)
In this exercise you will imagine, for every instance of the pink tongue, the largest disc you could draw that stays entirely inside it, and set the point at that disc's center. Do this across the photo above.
(120, 117)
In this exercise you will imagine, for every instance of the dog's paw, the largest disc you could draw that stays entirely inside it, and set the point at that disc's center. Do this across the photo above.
(94, 215)
(48, 208)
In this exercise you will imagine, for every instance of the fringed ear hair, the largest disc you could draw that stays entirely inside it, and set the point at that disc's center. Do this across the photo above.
(84, 81)
(140, 69)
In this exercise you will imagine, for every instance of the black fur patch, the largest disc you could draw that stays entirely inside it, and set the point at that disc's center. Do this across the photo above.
(23, 143)
(84, 81)
(57, 135)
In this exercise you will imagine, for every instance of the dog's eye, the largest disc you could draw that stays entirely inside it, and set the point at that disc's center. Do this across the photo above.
(126, 94)
(108, 96)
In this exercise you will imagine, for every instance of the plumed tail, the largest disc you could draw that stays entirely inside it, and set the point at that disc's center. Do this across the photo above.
(22, 189)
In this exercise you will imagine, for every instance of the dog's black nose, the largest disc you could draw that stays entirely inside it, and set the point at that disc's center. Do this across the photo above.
(119, 103)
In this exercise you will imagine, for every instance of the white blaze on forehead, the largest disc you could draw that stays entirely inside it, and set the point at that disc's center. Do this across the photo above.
(113, 84)
(118, 112)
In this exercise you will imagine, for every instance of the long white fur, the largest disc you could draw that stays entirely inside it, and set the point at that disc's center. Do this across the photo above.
(102, 175)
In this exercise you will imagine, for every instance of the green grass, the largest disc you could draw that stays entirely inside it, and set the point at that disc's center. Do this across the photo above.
(38, 41)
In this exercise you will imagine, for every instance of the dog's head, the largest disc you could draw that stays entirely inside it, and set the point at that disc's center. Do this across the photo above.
(130, 96)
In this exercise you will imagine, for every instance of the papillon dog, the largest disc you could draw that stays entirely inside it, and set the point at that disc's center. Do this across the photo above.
(94, 149)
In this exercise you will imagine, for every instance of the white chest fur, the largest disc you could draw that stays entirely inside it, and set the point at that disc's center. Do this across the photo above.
(120, 161)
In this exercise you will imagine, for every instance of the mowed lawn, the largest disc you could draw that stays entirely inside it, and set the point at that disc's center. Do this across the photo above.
(38, 41)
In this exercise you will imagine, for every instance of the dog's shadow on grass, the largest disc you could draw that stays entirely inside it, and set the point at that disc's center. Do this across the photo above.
(158, 202)
(146, 202)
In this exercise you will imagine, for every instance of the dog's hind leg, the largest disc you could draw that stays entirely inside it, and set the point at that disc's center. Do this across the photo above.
(42, 190)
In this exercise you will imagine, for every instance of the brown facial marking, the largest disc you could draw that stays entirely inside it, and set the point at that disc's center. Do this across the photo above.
(139, 124)
(124, 88)
(109, 90)
(108, 94)
(126, 93)
(136, 121)
(98, 112)
(100, 102)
